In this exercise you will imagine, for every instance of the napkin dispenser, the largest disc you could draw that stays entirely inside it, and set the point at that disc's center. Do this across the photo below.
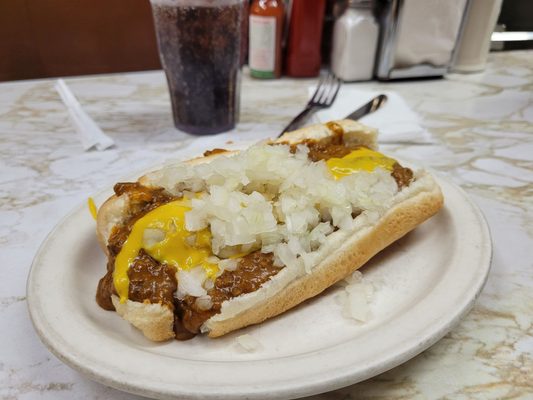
(417, 37)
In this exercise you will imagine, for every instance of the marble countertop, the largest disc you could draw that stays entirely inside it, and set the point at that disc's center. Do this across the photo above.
(482, 129)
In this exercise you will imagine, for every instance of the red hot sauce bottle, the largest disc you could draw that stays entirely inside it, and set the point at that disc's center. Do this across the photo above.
(305, 35)
(266, 28)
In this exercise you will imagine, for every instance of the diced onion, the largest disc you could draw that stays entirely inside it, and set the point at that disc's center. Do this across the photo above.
(269, 199)
(190, 282)
(248, 342)
(229, 264)
(204, 302)
(209, 284)
(152, 236)
(355, 297)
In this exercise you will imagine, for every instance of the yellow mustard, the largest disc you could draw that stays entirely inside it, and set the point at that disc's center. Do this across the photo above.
(362, 159)
(92, 207)
(179, 247)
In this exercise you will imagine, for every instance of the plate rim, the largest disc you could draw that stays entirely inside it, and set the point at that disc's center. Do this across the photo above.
(293, 390)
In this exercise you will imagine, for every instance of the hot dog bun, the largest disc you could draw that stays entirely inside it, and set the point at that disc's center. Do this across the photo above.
(347, 250)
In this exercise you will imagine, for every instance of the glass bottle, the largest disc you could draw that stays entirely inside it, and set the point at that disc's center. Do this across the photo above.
(266, 28)
(305, 34)
(355, 40)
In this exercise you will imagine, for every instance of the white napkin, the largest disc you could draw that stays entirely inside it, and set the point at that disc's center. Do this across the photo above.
(90, 134)
(395, 121)
(439, 21)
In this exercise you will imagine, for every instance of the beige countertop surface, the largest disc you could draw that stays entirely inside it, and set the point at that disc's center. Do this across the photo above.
(481, 126)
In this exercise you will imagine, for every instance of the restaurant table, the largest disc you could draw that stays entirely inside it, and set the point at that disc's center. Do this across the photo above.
(481, 127)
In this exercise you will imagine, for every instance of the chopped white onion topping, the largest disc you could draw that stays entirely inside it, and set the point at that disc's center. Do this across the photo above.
(229, 264)
(248, 342)
(269, 199)
(204, 302)
(190, 282)
(356, 306)
(356, 297)
(209, 284)
(152, 236)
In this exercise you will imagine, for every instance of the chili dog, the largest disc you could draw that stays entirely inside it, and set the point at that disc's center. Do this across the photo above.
(230, 239)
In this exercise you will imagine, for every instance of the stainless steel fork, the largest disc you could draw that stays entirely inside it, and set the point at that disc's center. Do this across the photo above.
(323, 97)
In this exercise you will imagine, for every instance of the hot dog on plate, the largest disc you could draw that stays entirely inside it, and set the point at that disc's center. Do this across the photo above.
(230, 239)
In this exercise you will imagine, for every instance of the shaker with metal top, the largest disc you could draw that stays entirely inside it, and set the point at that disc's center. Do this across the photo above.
(355, 39)
(418, 37)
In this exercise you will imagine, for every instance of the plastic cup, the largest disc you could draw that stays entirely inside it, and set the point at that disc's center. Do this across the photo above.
(200, 50)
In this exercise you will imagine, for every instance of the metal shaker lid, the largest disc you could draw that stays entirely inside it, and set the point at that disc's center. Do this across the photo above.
(360, 3)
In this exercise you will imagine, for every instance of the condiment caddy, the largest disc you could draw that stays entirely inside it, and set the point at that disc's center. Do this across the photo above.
(364, 39)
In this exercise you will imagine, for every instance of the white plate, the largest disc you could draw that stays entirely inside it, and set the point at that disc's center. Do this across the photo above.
(424, 284)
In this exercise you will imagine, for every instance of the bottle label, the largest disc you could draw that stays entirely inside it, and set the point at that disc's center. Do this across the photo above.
(262, 51)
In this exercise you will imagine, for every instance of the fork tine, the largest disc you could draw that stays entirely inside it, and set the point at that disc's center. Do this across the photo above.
(318, 90)
(337, 84)
(331, 92)
(325, 89)
(323, 97)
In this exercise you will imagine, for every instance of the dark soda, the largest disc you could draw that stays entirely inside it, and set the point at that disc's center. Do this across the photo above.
(200, 49)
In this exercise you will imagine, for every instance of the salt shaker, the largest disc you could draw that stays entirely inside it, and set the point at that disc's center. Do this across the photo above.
(355, 39)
